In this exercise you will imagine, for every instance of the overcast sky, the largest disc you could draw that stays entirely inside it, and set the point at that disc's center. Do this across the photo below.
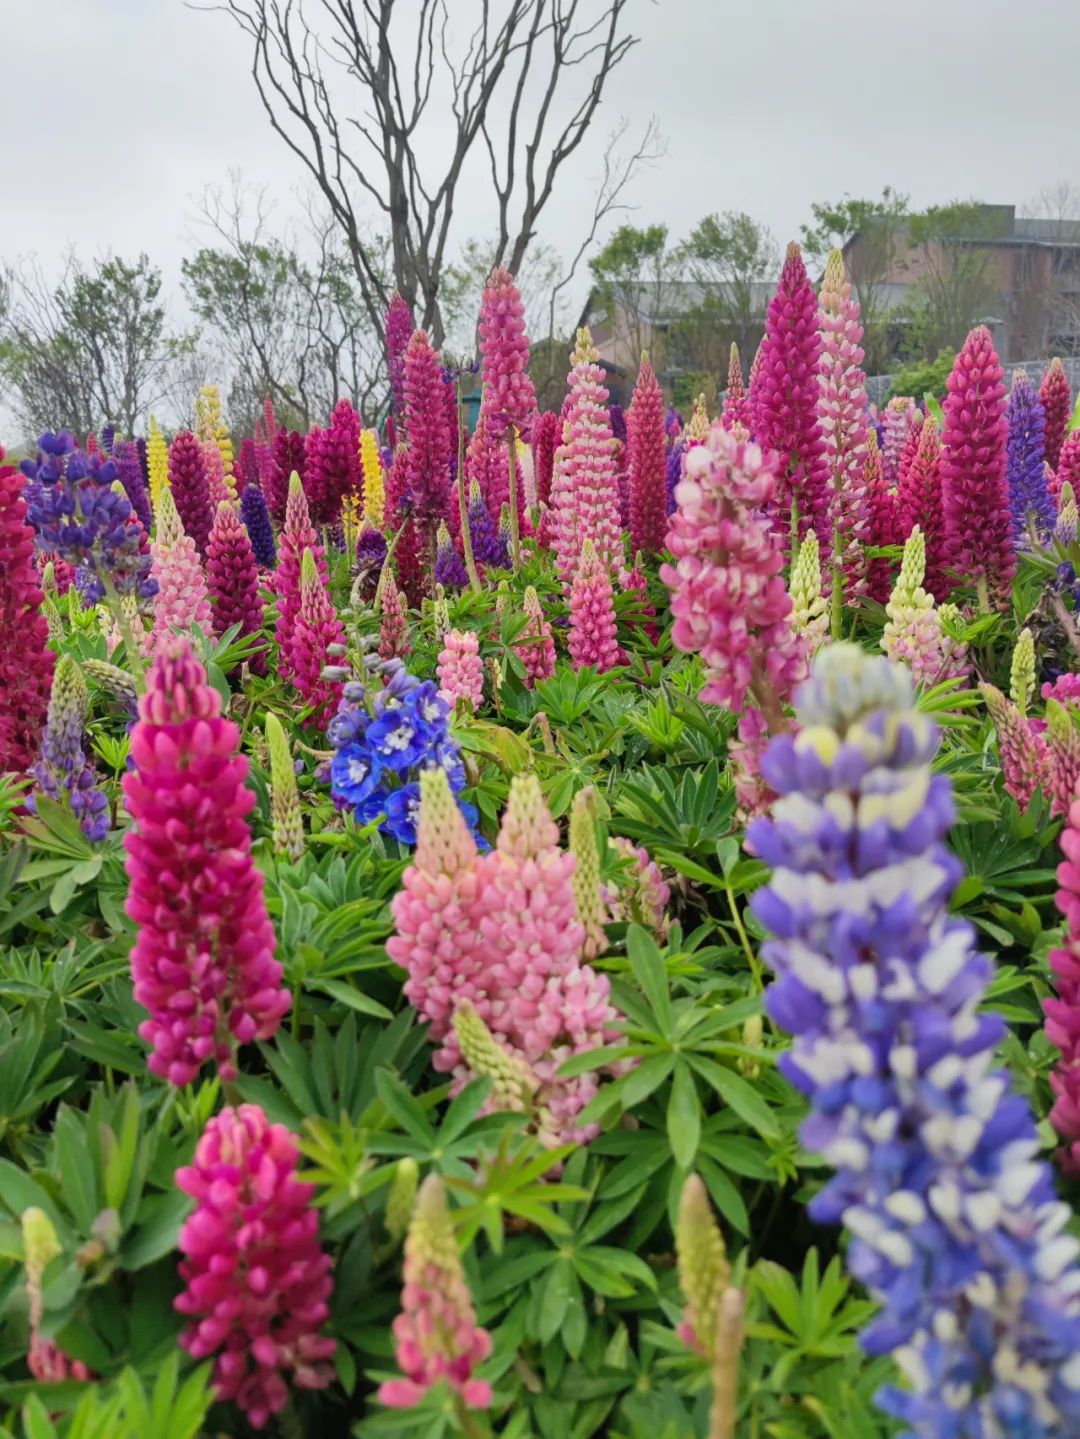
(118, 112)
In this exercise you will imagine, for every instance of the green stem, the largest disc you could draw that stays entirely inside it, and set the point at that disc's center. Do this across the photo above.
(744, 939)
(463, 506)
(984, 594)
(131, 649)
(515, 532)
(469, 1426)
(837, 586)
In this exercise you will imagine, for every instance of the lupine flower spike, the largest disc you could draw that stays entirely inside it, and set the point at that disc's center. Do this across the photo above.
(182, 599)
(736, 402)
(157, 462)
(438, 1340)
(1022, 671)
(1030, 502)
(957, 1233)
(536, 648)
(809, 614)
(257, 1283)
(233, 579)
(391, 605)
(842, 418)
(648, 466)
(374, 480)
(592, 639)
(1021, 749)
(1056, 400)
(191, 488)
(203, 960)
(586, 877)
(974, 488)
(460, 670)
(912, 632)
(287, 828)
(584, 491)
(316, 629)
(47, 1363)
(26, 662)
(63, 771)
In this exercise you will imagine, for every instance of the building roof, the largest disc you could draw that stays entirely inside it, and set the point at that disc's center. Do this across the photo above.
(664, 301)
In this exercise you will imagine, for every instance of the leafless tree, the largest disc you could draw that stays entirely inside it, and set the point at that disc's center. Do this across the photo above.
(355, 88)
(1050, 310)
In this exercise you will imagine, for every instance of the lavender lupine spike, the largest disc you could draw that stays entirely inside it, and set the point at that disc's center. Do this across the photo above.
(1030, 504)
(63, 771)
(256, 519)
(957, 1232)
(842, 416)
(131, 477)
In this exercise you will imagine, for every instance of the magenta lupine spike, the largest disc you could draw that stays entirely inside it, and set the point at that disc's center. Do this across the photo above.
(270, 421)
(620, 450)
(288, 455)
(190, 488)
(26, 662)
(907, 455)
(332, 464)
(785, 417)
(545, 437)
(975, 494)
(584, 491)
(257, 1282)
(753, 386)
(460, 669)
(729, 601)
(592, 638)
(203, 960)
(233, 579)
(436, 940)
(408, 562)
(1063, 1010)
(315, 629)
(643, 617)
(437, 1339)
(399, 331)
(919, 503)
(1056, 397)
(536, 648)
(391, 604)
(297, 535)
(1068, 470)
(1021, 748)
(509, 398)
(842, 417)
(736, 409)
(1062, 739)
(428, 461)
(886, 523)
(182, 598)
(648, 464)
(897, 420)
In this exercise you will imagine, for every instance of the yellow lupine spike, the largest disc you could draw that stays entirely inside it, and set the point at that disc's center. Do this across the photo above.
(157, 461)
(374, 480)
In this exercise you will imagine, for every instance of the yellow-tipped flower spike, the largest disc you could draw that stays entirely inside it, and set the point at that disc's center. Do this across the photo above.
(752, 1034)
(170, 527)
(401, 1201)
(809, 612)
(584, 351)
(698, 428)
(585, 881)
(350, 522)
(53, 618)
(374, 480)
(1068, 520)
(287, 829)
(704, 1271)
(1022, 675)
(40, 1243)
(513, 1083)
(157, 462)
(48, 579)
(209, 425)
(440, 614)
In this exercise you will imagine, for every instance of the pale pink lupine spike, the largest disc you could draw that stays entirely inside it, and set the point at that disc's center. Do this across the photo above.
(297, 535)
(585, 490)
(842, 415)
(538, 656)
(460, 669)
(737, 400)
(182, 599)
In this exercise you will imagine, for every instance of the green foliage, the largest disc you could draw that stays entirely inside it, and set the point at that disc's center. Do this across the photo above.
(920, 378)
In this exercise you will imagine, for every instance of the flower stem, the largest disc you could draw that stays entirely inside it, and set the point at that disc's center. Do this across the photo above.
(468, 1425)
(515, 532)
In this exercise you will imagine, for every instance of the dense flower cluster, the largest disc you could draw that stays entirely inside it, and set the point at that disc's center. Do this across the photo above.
(257, 1283)
(1032, 509)
(63, 771)
(203, 960)
(384, 740)
(26, 664)
(842, 416)
(956, 1229)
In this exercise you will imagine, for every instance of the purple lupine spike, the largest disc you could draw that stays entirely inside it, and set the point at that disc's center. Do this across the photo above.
(1030, 504)
(131, 477)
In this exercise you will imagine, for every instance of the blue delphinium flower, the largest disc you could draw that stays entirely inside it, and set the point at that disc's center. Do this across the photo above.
(76, 513)
(383, 745)
(1030, 501)
(957, 1232)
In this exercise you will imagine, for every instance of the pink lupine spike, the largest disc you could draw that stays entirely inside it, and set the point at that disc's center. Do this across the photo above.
(257, 1283)
(1063, 1010)
(460, 669)
(26, 662)
(297, 535)
(898, 418)
(785, 418)
(399, 330)
(536, 648)
(408, 561)
(919, 501)
(216, 488)
(182, 599)
(1068, 469)
(203, 959)
(436, 1334)
(332, 465)
(842, 416)
(975, 493)
(316, 628)
(648, 464)
(1056, 397)
(737, 400)
(427, 465)
(592, 638)
(1021, 748)
(509, 398)
(886, 523)
(393, 620)
(233, 579)
(584, 491)
(545, 437)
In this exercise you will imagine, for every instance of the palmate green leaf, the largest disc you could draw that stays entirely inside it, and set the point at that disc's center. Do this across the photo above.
(650, 972)
(683, 1117)
(739, 1094)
